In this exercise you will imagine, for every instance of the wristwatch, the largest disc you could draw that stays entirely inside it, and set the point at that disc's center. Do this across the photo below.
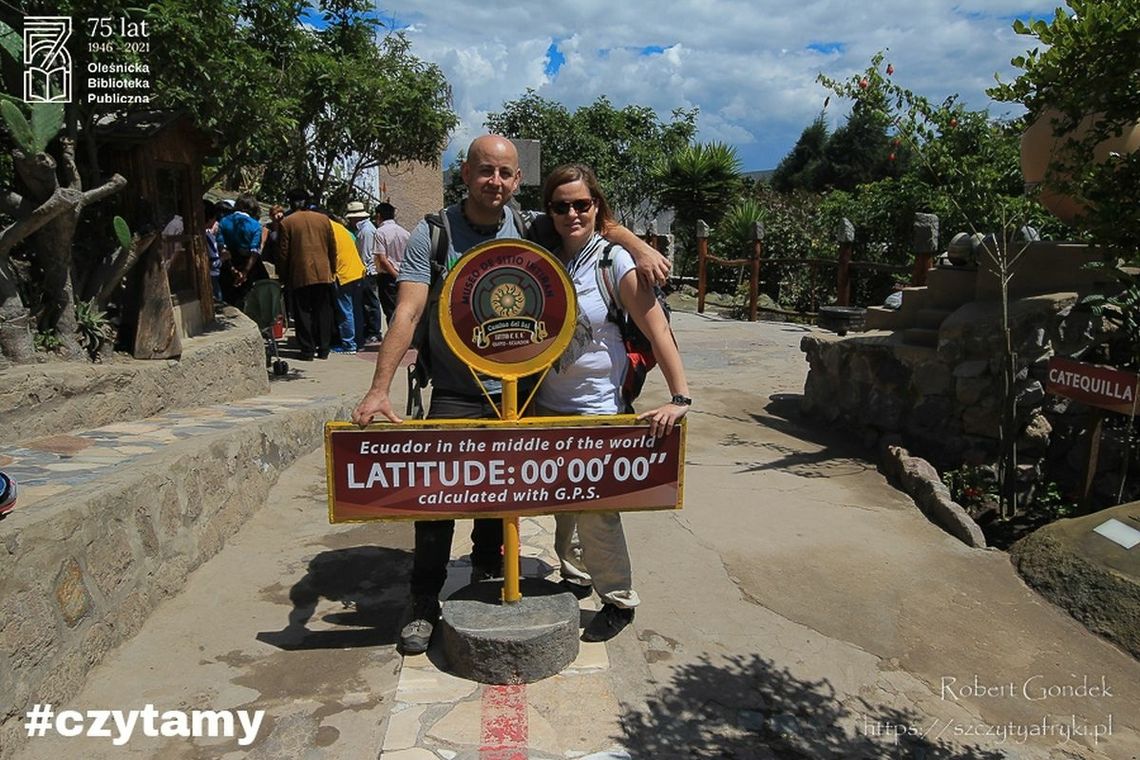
(680, 400)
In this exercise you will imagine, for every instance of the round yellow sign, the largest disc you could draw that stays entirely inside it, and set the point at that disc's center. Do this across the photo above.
(508, 308)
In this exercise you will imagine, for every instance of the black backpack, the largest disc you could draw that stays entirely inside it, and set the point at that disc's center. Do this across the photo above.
(638, 349)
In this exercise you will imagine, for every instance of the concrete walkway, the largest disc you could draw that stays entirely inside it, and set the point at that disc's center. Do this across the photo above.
(796, 607)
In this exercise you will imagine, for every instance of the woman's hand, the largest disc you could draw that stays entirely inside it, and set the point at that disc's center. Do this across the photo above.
(663, 419)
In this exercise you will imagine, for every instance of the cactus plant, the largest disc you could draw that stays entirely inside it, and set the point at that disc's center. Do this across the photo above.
(34, 136)
(18, 125)
(122, 233)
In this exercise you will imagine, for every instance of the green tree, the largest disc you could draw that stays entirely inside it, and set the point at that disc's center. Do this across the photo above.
(800, 169)
(699, 182)
(284, 104)
(299, 106)
(860, 151)
(621, 145)
(1086, 62)
(959, 164)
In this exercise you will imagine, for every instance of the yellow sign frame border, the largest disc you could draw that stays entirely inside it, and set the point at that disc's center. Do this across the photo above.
(502, 370)
(579, 421)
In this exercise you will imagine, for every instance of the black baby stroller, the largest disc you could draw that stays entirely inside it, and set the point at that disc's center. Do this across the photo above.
(265, 305)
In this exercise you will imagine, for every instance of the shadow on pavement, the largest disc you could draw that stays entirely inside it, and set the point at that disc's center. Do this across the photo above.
(749, 708)
(371, 584)
(839, 456)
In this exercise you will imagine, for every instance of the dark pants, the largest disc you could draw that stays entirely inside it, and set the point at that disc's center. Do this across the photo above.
(313, 318)
(433, 538)
(372, 327)
(386, 285)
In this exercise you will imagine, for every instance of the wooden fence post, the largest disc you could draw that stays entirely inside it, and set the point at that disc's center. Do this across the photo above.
(925, 246)
(754, 285)
(651, 234)
(702, 263)
(846, 239)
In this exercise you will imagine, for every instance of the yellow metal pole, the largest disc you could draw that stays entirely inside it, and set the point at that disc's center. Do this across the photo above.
(511, 591)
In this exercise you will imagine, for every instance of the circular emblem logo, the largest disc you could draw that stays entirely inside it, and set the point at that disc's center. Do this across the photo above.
(507, 308)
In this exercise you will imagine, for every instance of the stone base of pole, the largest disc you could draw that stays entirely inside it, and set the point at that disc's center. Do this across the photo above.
(489, 641)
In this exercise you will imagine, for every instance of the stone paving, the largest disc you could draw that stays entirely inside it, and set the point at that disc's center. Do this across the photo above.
(50, 466)
(437, 716)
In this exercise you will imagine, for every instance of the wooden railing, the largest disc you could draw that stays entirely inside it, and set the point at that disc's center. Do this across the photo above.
(844, 264)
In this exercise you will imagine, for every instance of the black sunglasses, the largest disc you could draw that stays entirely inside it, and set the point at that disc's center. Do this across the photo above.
(581, 206)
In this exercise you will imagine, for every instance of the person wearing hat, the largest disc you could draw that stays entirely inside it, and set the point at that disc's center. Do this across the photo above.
(360, 223)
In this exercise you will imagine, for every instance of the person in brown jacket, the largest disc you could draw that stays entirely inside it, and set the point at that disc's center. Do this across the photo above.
(306, 263)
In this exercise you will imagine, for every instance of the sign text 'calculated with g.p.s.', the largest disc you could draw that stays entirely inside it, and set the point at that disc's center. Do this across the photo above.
(436, 470)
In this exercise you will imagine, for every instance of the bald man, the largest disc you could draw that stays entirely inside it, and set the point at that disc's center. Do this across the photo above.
(491, 174)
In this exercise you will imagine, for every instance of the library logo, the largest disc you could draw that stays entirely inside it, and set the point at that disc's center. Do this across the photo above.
(47, 63)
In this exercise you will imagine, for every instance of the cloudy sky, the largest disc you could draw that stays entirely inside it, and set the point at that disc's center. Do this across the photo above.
(750, 66)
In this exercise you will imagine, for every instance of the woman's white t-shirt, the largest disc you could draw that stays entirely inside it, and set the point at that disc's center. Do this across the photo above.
(587, 378)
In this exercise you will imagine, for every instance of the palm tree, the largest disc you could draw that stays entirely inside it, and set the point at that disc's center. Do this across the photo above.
(698, 182)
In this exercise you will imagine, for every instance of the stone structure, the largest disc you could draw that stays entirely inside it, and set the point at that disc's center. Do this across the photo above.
(40, 399)
(112, 520)
(1096, 580)
(414, 189)
(931, 372)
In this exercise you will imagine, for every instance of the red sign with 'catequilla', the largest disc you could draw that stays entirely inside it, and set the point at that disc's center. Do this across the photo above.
(1103, 387)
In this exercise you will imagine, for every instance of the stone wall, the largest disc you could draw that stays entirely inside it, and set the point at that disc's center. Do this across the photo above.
(945, 402)
(84, 569)
(225, 364)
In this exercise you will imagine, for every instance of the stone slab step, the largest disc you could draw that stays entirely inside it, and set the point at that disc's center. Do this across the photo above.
(932, 319)
(880, 318)
(921, 336)
(914, 300)
(111, 521)
(950, 287)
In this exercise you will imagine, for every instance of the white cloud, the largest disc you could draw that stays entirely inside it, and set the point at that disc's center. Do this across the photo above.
(746, 64)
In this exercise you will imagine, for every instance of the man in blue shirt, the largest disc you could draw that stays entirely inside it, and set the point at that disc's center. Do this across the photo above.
(242, 235)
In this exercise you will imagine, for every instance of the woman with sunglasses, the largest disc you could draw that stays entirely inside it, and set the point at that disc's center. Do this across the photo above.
(587, 379)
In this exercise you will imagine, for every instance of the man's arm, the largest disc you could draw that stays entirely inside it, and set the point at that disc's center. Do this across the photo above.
(411, 301)
(652, 267)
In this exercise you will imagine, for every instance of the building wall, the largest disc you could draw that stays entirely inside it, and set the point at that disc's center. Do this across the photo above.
(414, 189)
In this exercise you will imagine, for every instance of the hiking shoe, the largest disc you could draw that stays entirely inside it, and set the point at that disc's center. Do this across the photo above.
(579, 590)
(480, 574)
(416, 633)
(607, 623)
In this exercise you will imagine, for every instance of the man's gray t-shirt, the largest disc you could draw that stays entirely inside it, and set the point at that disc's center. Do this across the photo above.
(448, 373)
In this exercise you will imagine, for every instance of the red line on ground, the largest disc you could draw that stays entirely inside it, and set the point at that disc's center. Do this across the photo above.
(504, 728)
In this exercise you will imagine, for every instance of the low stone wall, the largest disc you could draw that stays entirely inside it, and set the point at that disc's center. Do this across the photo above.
(225, 364)
(83, 570)
(945, 403)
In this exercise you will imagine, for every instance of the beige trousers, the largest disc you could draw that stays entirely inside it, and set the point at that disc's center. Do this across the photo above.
(591, 548)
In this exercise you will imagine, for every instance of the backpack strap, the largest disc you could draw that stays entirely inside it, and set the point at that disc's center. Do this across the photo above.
(607, 286)
(439, 227)
(522, 225)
